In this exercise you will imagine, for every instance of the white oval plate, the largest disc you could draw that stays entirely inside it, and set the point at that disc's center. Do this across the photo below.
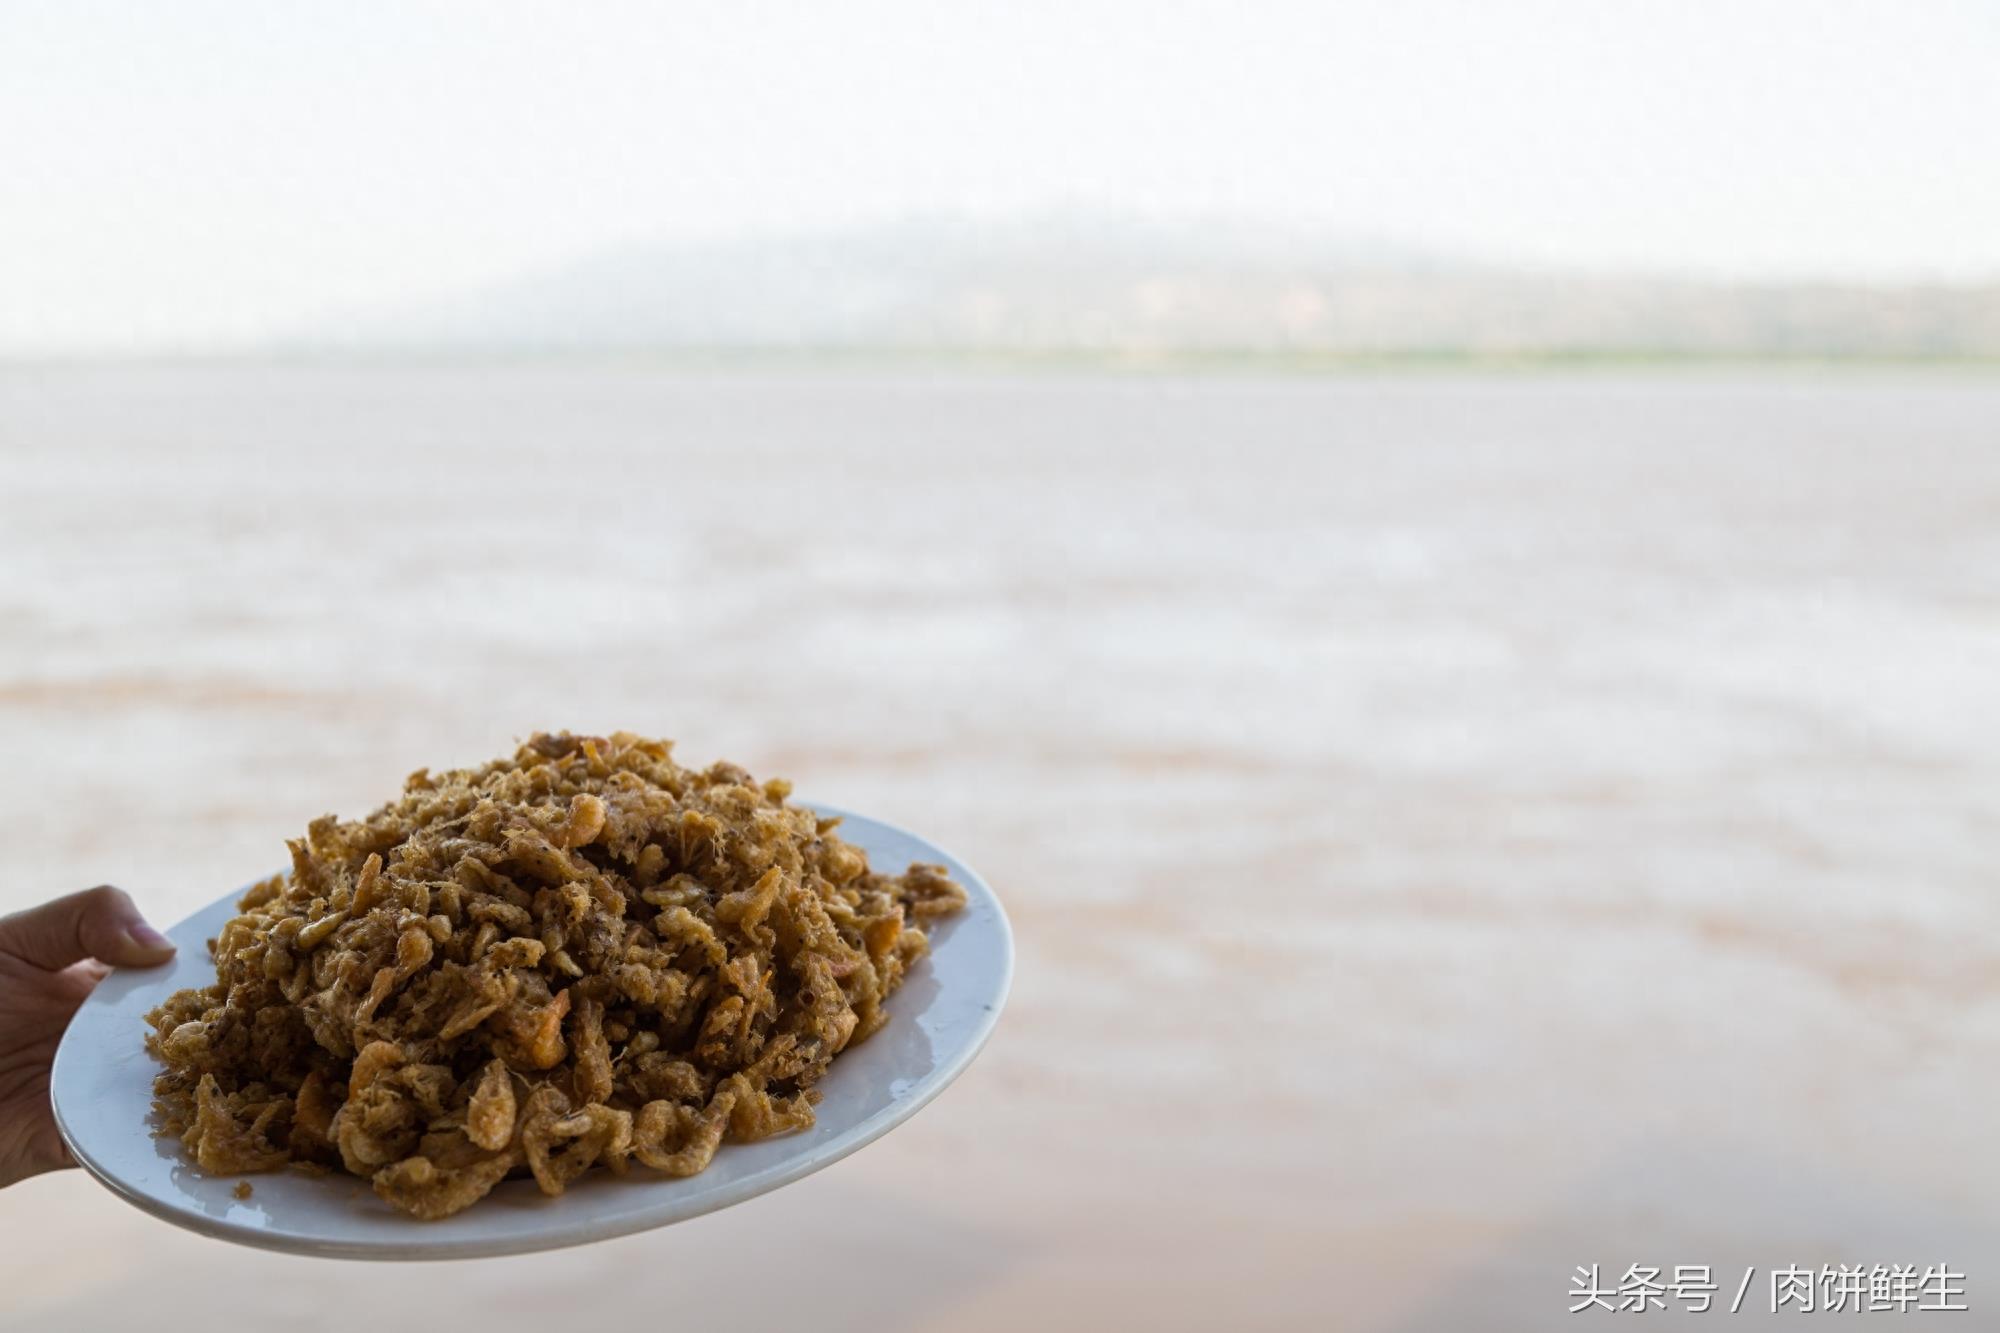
(102, 1087)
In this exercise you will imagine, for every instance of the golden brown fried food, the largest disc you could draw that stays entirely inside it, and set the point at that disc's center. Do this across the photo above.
(579, 956)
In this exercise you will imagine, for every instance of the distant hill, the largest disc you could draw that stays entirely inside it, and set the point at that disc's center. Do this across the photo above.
(1095, 288)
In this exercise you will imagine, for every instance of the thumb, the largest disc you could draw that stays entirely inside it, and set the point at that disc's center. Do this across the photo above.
(97, 923)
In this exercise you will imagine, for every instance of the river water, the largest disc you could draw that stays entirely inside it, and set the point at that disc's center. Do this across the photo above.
(1457, 828)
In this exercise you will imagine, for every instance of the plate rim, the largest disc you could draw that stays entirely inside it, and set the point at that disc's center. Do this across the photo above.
(420, 1249)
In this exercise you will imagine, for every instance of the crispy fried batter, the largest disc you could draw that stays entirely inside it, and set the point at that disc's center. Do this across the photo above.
(574, 957)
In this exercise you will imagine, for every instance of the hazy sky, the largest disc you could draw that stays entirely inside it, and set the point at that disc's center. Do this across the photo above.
(171, 172)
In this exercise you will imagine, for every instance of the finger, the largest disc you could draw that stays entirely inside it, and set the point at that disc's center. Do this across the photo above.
(98, 923)
(75, 982)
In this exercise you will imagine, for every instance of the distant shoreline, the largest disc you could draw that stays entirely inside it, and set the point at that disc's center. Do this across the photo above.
(1120, 362)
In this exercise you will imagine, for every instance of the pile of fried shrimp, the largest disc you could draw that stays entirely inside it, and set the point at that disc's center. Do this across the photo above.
(584, 955)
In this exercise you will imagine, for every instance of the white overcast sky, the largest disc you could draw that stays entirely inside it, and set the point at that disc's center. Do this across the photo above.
(171, 172)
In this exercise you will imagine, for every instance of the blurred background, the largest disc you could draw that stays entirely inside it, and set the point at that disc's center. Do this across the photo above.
(1443, 558)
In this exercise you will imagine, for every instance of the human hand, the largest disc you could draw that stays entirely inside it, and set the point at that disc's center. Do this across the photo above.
(50, 958)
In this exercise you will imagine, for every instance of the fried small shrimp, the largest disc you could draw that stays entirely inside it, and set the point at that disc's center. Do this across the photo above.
(531, 1035)
(313, 1109)
(579, 957)
(678, 1140)
(423, 1190)
(489, 1117)
(593, 1053)
(586, 820)
(561, 1144)
(222, 1143)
